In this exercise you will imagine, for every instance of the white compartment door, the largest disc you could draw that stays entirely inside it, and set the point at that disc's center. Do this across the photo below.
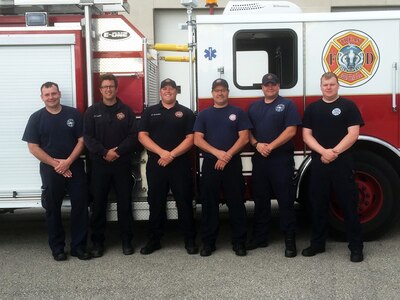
(25, 66)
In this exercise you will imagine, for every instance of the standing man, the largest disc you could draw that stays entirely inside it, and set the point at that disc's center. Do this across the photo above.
(110, 134)
(166, 131)
(330, 128)
(54, 136)
(221, 131)
(275, 120)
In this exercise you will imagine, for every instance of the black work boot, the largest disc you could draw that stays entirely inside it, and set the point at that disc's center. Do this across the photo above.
(290, 244)
(153, 244)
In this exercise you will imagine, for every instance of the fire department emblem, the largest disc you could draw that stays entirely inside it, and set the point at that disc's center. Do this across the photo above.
(232, 117)
(71, 123)
(336, 111)
(120, 116)
(280, 108)
(179, 114)
(353, 56)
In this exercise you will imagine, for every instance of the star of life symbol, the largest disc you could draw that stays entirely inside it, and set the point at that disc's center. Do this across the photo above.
(70, 122)
(353, 56)
(210, 53)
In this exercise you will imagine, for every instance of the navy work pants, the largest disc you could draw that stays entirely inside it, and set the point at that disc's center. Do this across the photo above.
(117, 174)
(55, 187)
(272, 177)
(231, 182)
(176, 177)
(338, 177)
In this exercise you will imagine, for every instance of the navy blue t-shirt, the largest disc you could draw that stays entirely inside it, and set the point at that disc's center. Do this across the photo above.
(271, 119)
(56, 134)
(221, 126)
(329, 121)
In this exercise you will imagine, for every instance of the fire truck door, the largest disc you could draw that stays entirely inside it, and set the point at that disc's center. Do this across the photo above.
(27, 61)
(366, 62)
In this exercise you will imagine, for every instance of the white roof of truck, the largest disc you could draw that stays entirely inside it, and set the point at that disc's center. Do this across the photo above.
(298, 17)
(260, 7)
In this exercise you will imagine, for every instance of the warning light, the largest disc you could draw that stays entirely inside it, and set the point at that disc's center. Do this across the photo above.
(212, 3)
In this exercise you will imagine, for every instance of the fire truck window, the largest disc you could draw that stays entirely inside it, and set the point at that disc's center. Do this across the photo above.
(257, 71)
(257, 52)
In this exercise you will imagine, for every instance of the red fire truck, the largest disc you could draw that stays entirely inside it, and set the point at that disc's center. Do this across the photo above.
(241, 45)
(362, 48)
(49, 43)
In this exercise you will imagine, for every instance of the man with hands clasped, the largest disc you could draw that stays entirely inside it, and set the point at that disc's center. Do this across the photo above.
(166, 131)
(110, 134)
(54, 136)
(331, 126)
(275, 120)
(221, 131)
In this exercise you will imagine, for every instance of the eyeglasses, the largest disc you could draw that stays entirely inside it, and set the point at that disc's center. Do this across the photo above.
(106, 87)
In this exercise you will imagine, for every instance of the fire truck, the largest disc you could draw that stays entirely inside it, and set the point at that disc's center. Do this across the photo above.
(362, 48)
(40, 42)
(249, 39)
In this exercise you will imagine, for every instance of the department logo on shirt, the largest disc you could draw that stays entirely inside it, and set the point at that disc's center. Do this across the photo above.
(280, 108)
(179, 114)
(232, 117)
(336, 111)
(120, 116)
(71, 123)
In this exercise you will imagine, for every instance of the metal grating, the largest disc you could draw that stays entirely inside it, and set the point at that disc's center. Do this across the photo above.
(246, 7)
(152, 82)
(260, 7)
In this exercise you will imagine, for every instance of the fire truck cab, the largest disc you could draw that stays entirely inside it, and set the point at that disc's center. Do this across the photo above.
(249, 39)
(362, 48)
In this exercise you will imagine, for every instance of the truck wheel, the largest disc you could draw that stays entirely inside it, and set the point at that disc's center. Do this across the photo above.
(377, 183)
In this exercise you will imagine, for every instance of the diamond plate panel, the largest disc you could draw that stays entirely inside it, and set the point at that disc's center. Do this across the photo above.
(118, 65)
(140, 210)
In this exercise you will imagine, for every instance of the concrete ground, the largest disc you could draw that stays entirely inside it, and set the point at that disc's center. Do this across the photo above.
(27, 270)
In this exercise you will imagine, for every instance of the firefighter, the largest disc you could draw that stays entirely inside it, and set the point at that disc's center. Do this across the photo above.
(54, 136)
(275, 120)
(221, 131)
(166, 131)
(330, 128)
(110, 134)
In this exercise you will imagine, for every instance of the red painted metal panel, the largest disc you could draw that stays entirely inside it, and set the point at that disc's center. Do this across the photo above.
(130, 91)
(118, 54)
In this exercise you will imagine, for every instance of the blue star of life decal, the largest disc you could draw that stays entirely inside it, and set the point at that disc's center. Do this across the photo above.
(210, 53)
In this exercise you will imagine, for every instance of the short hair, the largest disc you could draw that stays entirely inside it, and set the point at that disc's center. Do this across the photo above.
(49, 84)
(329, 75)
(108, 76)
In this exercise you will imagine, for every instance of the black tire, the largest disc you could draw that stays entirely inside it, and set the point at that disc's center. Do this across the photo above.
(378, 184)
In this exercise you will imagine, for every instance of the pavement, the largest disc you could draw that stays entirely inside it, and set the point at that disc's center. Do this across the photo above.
(27, 270)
